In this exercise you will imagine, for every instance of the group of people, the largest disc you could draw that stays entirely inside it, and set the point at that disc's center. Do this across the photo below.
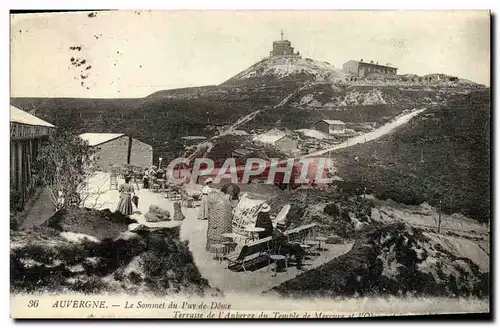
(149, 176)
(217, 207)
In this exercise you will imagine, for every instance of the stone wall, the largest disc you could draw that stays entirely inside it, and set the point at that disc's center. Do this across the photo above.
(114, 152)
(141, 154)
(322, 126)
(287, 144)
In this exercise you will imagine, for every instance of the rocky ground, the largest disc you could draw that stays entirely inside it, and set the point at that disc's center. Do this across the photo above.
(397, 249)
(336, 213)
(394, 259)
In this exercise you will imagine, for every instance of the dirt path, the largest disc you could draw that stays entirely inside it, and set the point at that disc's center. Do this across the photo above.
(375, 134)
(251, 116)
(103, 197)
(38, 210)
(241, 121)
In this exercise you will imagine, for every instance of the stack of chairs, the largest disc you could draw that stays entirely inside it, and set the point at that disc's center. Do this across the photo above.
(243, 219)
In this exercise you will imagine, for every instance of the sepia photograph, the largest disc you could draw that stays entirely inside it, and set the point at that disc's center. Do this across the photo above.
(239, 164)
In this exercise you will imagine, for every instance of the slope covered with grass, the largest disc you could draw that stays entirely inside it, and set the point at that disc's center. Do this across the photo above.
(443, 154)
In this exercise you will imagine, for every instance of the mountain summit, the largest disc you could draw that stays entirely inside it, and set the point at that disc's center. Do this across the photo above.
(285, 64)
(287, 68)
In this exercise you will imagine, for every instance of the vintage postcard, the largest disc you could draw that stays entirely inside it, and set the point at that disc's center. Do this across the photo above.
(249, 164)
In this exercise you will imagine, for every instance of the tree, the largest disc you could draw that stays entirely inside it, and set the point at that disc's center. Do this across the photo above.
(64, 165)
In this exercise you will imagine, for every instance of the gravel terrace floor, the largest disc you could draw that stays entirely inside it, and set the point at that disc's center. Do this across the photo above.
(194, 231)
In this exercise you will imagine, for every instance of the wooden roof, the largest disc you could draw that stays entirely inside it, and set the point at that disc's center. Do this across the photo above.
(95, 139)
(19, 116)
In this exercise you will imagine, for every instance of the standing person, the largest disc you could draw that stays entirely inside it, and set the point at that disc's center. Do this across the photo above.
(264, 221)
(220, 218)
(126, 191)
(284, 247)
(203, 213)
(145, 179)
(152, 176)
(159, 173)
(152, 173)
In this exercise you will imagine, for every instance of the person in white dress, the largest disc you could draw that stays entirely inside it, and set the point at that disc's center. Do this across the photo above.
(203, 213)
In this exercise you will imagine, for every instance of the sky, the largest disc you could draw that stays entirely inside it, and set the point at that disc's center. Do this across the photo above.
(129, 54)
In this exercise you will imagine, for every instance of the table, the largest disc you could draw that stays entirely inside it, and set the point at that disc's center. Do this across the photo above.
(307, 249)
(321, 240)
(254, 231)
(277, 258)
(162, 183)
(231, 245)
(219, 251)
(312, 242)
(231, 235)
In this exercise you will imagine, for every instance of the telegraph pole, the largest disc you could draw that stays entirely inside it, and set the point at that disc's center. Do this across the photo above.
(439, 217)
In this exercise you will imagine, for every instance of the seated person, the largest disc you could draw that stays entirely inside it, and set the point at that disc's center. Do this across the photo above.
(264, 221)
(286, 248)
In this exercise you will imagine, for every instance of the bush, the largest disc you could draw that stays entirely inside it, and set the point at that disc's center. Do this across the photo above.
(16, 202)
(168, 262)
(14, 225)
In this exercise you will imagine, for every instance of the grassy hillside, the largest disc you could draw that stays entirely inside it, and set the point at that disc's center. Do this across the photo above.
(303, 118)
(454, 142)
(160, 119)
(305, 90)
(353, 103)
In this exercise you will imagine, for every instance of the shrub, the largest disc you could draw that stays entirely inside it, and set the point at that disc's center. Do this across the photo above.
(16, 201)
(14, 225)
(63, 165)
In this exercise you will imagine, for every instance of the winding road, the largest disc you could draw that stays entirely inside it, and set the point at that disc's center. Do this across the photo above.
(375, 134)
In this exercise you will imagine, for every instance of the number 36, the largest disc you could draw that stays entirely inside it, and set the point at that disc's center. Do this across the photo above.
(33, 303)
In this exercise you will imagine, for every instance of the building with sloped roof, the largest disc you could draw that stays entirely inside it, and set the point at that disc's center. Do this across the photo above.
(279, 139)
(330, 126)
(27, 134)
(118, 149)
